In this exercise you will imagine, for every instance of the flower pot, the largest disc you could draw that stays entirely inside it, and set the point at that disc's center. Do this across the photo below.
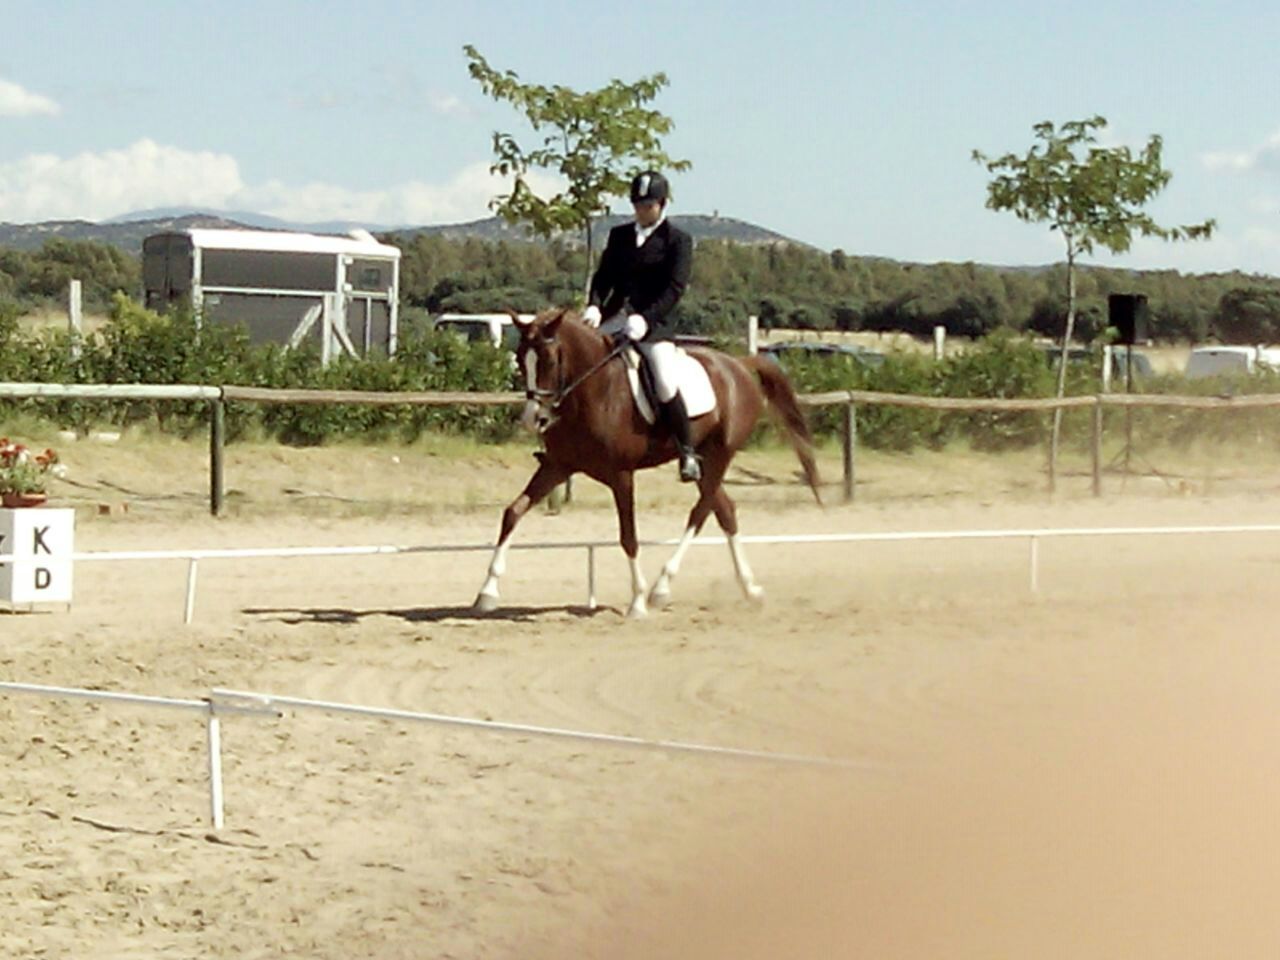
(14, 501)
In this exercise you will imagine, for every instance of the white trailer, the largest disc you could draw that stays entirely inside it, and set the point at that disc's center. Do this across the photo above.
(339, 292)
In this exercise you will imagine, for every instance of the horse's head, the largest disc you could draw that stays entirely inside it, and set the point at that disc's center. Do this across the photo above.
(540, 357)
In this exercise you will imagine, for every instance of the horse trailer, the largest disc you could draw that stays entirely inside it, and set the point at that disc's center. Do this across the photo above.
(341, 293)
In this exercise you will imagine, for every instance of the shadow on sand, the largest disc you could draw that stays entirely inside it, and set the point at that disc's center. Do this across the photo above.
(512, 614)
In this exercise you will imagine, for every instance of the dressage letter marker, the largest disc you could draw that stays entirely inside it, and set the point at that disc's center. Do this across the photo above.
(41, 542)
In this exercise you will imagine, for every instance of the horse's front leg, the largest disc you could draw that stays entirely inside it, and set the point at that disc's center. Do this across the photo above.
(547, 477)
(623, 488)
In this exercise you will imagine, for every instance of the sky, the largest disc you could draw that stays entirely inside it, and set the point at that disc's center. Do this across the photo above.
(843, 125)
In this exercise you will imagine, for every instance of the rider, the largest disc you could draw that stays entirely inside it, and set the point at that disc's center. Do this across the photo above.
(643, 273)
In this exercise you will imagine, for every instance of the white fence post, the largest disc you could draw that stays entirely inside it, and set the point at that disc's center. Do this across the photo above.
(753, 335)
(75, 317)
(939, 341)
(215, 767)
(189, 610)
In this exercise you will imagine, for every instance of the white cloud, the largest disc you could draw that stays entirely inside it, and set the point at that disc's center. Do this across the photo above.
(1265, 157)
(447, 104)
(94, 186)
(18, 102)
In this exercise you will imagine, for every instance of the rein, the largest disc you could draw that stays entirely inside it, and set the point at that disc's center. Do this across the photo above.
(559, 396)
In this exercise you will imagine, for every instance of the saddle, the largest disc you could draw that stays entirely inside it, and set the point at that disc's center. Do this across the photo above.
(692, 380)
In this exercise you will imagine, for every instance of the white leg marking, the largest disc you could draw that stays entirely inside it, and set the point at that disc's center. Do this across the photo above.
(661, 594)
(638, 607)
(487, 599)
(745, 578)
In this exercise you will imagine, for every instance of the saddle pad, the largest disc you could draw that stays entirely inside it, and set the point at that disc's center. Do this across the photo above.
(693, 384)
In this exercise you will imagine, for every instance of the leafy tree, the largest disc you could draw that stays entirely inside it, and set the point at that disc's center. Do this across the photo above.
(595, 140)
(1248, 315)
(1091, 195)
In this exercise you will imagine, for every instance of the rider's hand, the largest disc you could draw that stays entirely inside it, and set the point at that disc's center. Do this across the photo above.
(635, 328)
(591, 316)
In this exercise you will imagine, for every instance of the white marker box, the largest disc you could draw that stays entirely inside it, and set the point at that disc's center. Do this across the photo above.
(41, 542)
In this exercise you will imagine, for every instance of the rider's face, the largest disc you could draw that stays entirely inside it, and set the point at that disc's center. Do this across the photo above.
(647, 212)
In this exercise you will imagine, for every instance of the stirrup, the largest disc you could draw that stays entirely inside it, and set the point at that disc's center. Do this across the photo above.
(690, 468)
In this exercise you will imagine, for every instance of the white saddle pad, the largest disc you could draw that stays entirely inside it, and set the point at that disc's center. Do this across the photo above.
(694, 384)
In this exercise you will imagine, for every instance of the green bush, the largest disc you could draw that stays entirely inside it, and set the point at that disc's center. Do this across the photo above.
(139, 346)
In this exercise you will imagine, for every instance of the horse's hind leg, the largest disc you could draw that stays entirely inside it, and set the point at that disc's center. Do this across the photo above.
(545, 479)
(727, 517)
(660, 596)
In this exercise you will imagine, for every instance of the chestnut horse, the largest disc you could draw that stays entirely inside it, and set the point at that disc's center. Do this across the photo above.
(578, 398)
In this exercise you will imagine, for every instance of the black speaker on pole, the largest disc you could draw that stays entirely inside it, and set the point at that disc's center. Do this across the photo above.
(1128, 314)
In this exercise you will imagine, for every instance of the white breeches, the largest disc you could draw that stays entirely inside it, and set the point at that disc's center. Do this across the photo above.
(661, 357)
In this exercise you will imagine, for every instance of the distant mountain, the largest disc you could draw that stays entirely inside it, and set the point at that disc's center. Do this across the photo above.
(128, 231)
(127, 236)
(257, 221)
(699, 226)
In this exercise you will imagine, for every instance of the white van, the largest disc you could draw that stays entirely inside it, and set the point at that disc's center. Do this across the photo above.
(1231, 361)
(497, 328)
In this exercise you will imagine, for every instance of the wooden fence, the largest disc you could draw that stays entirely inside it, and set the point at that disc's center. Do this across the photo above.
(217, 397)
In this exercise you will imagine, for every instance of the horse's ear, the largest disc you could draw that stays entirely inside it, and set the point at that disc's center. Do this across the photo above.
(522, 321)
(551, 325)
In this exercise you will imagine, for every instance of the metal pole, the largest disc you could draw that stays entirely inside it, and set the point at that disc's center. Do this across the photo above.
(1097, 447)
(1053, 454)
(190, 608)
(849, 444)
(217, 447)
(215, 768)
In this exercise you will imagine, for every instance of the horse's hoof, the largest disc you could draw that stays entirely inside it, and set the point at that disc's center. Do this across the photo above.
(637, 610)
(659, 597)
(485, 603)
(755, 594)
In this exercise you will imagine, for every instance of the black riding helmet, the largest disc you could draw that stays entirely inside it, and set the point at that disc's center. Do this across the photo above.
(650, 185)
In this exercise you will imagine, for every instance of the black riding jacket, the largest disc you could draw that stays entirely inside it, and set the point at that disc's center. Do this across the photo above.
(648, 280)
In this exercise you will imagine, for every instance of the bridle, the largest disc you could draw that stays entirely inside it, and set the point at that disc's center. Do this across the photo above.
(550, 400)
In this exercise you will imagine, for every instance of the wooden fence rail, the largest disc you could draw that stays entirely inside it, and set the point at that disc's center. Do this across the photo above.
(218, 396)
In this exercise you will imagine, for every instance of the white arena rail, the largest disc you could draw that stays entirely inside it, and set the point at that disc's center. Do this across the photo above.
(211, 711)
(242, 698)
(1033, 536)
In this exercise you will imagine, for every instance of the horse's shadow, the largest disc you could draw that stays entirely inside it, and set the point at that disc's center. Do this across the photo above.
(344, 615)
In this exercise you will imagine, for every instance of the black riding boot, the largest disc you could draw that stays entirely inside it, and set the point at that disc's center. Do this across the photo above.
(677, 419)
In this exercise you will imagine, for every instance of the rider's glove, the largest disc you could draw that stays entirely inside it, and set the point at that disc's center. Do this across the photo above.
(591, 316)
(635, 328)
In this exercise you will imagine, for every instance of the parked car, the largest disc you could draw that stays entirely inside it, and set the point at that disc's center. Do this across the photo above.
(1231, 361)
(497, 328)
(819, 348)
(1119, 360)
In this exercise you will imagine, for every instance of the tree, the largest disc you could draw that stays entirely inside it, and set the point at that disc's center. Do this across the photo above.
(596, 141)
(1092, 195)
(1248, 315)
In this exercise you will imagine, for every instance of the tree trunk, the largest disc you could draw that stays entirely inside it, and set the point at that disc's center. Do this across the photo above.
(1062, 365)
(586, 283)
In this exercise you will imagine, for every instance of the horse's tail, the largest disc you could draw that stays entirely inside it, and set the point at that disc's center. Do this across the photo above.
(786, 410)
